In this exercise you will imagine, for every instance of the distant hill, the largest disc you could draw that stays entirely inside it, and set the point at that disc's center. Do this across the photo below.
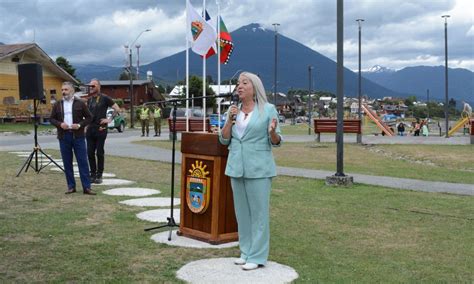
(416, 80)
(254, 51)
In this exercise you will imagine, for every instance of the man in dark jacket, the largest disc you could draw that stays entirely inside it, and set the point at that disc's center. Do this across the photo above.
(70, 116)
(96, 134)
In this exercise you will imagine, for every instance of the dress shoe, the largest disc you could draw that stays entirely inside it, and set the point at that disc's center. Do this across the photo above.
(250, 266)
(240, 261)
(70, 190)
(156, 135)
(98, 180)
(89, 192)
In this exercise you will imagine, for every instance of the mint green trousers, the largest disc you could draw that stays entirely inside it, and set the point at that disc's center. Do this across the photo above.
(252, 202)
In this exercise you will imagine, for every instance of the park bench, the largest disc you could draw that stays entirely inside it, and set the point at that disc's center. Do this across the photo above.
(327, 125)
(195, 124)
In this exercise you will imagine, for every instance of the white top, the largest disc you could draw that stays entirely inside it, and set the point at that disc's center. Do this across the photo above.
(68, 112)
(241, 122)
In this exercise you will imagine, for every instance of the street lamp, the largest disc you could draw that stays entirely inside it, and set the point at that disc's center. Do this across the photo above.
(359, 135)
(138, 60)
(310, 104)
(275, 25)
(130, 75)
(446, 72)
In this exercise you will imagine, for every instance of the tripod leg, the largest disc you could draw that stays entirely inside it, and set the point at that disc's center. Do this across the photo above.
(26, 164)
(51, 160)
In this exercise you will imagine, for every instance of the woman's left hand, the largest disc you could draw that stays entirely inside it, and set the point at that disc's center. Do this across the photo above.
(272, 126)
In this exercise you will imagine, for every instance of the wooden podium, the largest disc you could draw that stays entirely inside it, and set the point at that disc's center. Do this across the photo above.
(203, 165)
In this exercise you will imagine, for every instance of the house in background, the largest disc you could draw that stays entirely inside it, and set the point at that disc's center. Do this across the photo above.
(143, 91)
(11, 107)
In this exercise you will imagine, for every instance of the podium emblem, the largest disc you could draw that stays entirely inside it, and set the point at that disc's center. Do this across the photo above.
(198, 188)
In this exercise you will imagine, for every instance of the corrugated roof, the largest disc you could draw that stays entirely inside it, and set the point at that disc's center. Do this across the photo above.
(124, 82)
(12, 49)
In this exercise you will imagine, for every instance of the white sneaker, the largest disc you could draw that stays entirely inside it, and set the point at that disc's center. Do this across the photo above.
(240, 261)
(250, 266)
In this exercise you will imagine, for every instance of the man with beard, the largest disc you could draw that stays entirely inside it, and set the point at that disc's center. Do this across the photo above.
(70, 116)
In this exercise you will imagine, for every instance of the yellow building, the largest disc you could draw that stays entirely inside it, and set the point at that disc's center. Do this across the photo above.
(11, 106)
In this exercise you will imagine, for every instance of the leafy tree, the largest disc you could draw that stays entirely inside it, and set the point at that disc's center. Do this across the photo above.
(410, 100)
(195, 90)
(125, 76)
(64, 63)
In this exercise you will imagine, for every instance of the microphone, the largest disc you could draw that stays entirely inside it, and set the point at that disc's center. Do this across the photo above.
(235, 101)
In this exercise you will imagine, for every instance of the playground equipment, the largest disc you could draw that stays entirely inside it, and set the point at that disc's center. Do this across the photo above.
(464, 119)
(375, 118)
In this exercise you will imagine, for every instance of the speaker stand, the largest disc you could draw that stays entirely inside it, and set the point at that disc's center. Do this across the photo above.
(34, 154)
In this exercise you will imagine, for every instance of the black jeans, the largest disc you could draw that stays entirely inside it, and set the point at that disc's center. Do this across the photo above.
(95, 146)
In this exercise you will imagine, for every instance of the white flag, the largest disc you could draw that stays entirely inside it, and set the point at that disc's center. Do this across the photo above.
(199, 32)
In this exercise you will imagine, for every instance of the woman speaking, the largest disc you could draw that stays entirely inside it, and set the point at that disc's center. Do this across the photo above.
(251, 130)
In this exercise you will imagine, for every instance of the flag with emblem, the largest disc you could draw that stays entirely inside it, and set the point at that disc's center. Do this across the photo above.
(199, 33)
(227, 46)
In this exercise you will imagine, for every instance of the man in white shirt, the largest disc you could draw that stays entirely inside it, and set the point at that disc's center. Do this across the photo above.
(70, 115)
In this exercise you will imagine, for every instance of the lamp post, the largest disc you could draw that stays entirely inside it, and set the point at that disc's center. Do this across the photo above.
(340, 89)
(275, 78)
(130, 75)
(359, 136)
(310, 104)
(428, 102)
(138, 60)
(446, 107)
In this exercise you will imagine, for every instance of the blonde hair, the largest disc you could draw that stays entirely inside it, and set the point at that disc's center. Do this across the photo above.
(260, 96)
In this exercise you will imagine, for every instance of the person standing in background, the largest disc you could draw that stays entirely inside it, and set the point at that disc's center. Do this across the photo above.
(96, 133)
(157, 120)
(145, 119)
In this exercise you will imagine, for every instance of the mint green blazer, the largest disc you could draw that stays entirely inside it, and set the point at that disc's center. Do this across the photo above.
(251, 156)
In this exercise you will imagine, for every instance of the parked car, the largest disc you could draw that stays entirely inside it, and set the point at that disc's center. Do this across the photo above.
(214, 120)
(118, 122)
(281, 118)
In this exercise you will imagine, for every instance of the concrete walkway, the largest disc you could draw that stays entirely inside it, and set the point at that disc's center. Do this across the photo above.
(121, 145)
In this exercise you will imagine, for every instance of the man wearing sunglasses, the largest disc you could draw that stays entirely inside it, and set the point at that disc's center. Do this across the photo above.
(98, 104)
(70, 115)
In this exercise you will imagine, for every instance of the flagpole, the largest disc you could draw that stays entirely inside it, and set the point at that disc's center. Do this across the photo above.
(204, 76)
(218, 65)
(187, 75)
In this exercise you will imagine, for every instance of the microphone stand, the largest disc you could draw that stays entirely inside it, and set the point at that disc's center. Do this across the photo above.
(171, 221)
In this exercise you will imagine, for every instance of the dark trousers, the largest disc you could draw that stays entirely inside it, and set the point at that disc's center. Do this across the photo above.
(157, 126)
(67, 145)
(95, 146)
(145, 126)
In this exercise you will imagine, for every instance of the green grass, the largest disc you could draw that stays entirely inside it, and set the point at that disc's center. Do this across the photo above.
(448, 163)
(23, 128)
(359, 234)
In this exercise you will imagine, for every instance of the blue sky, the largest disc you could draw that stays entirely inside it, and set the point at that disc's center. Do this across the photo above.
(395, 34)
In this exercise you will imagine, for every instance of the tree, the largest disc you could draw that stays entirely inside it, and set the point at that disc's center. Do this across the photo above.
(125, 76)
(64, 63)
(195, 90)
(410, 100)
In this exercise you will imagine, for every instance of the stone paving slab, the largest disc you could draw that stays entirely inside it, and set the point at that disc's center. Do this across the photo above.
(181, 241)
(159, 215)
(131, 191)
(115, 181)
(151, 201)
(223, 270)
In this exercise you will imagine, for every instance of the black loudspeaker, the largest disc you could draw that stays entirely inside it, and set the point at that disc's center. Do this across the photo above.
(30, 78)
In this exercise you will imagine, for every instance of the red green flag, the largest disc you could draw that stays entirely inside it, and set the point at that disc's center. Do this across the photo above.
(227, 46)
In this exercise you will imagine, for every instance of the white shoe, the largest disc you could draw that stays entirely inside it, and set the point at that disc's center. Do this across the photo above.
(240, 261)
(249, 266)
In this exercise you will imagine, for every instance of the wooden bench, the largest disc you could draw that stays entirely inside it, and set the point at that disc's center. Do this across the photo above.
(195, 124)
(327, 125)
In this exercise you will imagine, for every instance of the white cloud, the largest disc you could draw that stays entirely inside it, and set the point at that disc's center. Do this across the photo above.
(395, 34)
